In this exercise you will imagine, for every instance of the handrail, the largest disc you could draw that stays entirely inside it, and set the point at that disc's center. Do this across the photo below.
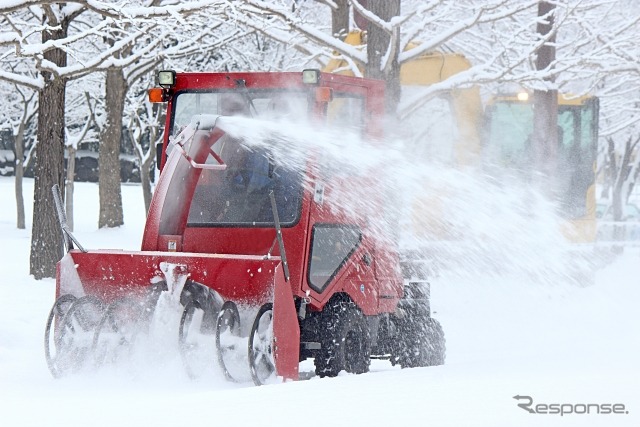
(187, 136)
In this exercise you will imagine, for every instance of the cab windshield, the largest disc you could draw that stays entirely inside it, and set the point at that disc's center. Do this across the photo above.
(345, 110)
(239, 195)
(265, 104)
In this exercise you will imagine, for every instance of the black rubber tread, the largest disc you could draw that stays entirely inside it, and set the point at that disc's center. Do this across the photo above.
(345, 343)
(421, 342)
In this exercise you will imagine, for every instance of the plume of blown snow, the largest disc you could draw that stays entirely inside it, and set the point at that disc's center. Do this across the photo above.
(458, 222)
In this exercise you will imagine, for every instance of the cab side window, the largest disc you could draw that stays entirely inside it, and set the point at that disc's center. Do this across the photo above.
(331, 247)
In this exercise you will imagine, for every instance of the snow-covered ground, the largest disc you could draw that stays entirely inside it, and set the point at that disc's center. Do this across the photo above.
(506, 336)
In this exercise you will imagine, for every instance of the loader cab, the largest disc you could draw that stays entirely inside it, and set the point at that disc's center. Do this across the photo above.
(509, 146)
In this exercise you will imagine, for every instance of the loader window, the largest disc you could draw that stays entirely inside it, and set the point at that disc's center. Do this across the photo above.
(510, 146)
(511, 127)
(576, 156)
(331, 247)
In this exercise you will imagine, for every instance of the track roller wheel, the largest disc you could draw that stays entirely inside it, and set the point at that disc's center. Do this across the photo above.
(52, 332)
(195, 338)
(116, 330)
(422, 343)
(346, 344)
(74, 337)
(261, 361)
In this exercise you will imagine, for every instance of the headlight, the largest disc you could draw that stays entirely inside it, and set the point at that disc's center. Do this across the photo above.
(167, 78)
(311, 76)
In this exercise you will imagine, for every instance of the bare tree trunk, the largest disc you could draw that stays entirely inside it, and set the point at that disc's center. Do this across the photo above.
(46, 243)
(624, 173)
(19, 174)
(145, 178)
(25, 120)
(69, 186)
(545, 112)
(378, 46)
(109, 154)
(616, 193)
(340, 19)
(612, 167)
(146, 163)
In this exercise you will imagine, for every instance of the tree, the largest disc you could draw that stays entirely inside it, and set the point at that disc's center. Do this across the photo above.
(146, 122)
(83, 125)
(607, 67)
(109, 155)
(29, 115)
(426, 27)
(49, 165)
(20, 112)
(622, 179)
(619, 159)
(545, 101)
(146, 48)
(340, 18)
(60, 33)
(383, 46)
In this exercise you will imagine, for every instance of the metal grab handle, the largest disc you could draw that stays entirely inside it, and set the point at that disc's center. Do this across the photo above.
(187, 136)
(197, 165)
